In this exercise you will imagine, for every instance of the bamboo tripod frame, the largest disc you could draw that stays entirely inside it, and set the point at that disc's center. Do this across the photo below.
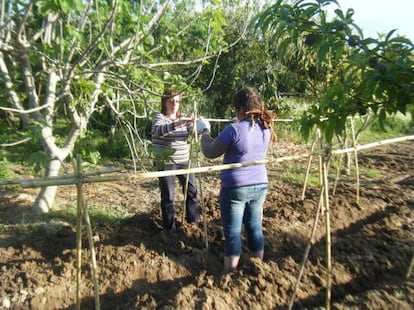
(79, 178)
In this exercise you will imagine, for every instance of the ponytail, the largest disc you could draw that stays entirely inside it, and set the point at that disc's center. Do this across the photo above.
(249, 102)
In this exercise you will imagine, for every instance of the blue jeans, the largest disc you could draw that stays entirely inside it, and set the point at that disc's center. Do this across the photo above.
(167, 188)
(242, 205)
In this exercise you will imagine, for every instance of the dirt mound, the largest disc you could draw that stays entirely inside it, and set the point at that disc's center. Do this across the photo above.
(142, 267)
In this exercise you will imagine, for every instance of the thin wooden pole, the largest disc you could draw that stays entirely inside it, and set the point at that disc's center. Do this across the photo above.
(155, 174)
(354, 144)
(93, 256)
(410, 268)
(78, 238)
(305, 182)
(308, 247)
(187, 176)
(90, 236)
(199, 177)
(325, 163)
(63, 177)
(202, 205)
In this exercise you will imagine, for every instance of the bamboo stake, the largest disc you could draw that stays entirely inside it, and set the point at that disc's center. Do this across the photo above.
(318, 212)
(305, 182)
(325, 163)
(187, 176)
(203, 207)
(354, 143)
(90, 236)
(308, 247)
(82, 207)
(338, 169)
(410, 268)
(199, 177)
(93, 254)
(78, 238)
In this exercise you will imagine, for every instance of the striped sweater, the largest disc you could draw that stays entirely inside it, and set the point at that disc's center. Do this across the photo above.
(165, 134)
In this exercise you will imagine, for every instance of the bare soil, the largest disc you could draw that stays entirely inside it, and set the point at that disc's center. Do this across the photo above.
(142, 267)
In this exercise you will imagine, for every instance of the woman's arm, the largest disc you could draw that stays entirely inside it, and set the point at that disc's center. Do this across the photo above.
(163, 127)
(212, 148)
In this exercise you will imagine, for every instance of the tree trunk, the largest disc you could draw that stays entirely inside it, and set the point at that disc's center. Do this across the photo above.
(46, 197)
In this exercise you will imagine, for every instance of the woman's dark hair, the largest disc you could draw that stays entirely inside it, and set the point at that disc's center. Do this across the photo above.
(168, 94)
(248, 102)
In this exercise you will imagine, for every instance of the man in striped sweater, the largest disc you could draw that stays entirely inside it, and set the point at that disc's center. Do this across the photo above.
(170, 132)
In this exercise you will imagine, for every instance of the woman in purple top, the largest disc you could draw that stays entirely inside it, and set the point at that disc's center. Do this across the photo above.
(243, 190)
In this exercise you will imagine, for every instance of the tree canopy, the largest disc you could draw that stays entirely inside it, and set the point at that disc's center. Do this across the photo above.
(343, 73)
(74, 58)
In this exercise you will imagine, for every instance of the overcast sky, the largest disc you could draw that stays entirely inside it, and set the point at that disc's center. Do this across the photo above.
(375, 16)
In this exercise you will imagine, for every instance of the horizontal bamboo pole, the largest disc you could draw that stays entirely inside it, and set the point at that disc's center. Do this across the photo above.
(142, 175)
(86, 177)
(61, 177)
(373, 144)
(230, 120)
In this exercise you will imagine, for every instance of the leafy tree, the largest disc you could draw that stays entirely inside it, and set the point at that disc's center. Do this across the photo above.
(248, 62)
(343, 73)
(61, 61)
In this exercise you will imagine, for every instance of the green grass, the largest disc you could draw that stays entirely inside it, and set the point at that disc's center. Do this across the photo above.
(108, 214)
(41, 226)
(394, 126)
(371, 173)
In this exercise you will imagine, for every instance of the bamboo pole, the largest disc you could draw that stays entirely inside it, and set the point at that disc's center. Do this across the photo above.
(78, 238)
(83, 210)
(90, 236)
(410, 268)
(305, 182)
(68, 180)
(62, 177)
(339, 165)
(373, 144)
(93, 253)
(202, 205)
(338, 170)
(307, 250)
(318, 212)
(143, 175)
(354, 143)
(187, 176)
(325, 162)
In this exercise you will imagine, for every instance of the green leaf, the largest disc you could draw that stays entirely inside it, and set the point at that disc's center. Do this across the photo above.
(46, 7)
(38, 161)
(323, 50)
(329, 130)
